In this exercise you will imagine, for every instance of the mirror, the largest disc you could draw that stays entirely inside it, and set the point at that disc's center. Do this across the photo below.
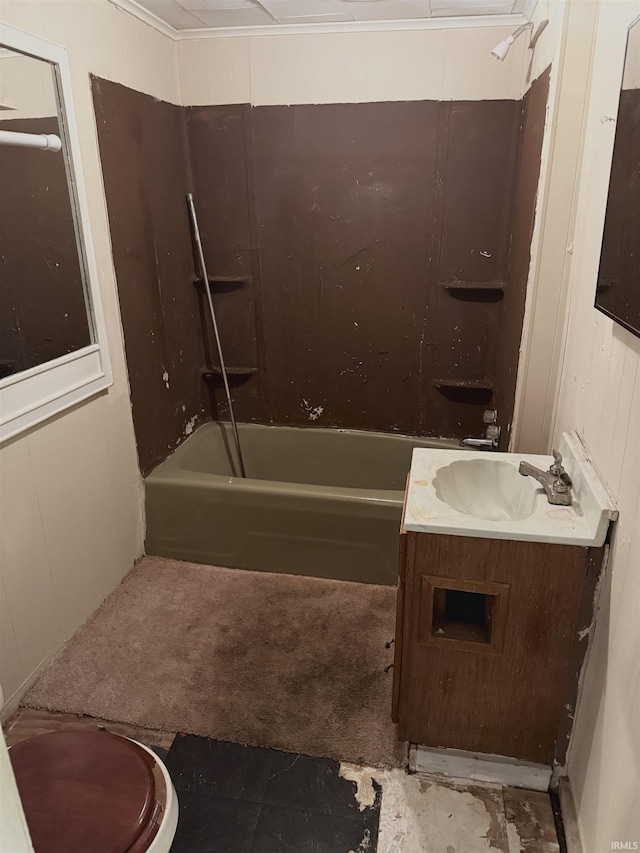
(43, 312)
(618, 289)
(53, 351)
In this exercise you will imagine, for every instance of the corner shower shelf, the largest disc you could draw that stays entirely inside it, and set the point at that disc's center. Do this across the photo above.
(213, 374)
(484, 384)
(233, 371)
(225, 282)
(477, 392)
(472, 285)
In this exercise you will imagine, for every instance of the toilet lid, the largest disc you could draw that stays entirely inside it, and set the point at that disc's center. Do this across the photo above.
(84, 791)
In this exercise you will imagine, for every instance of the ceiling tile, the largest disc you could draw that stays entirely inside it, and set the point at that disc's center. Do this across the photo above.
(197, 6)
(173, 13)
(389, 10)
(308, 11)
(241, 16)
(216, 5)
(457, 8)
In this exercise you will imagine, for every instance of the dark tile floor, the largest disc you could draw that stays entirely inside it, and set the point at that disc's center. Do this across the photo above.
(235, 798)
(239, 799)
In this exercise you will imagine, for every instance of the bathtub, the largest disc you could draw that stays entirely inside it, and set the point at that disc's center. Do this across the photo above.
(320, 502)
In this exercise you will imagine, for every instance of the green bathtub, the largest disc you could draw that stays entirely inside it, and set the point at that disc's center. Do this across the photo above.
(319, 502)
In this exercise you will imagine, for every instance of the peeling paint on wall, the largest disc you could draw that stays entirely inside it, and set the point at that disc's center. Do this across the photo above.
(144, 185)
(313, 412)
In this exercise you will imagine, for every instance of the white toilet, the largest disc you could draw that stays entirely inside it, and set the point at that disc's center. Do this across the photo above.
(94, 791)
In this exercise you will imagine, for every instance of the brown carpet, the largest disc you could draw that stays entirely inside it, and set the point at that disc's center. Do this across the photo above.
(288, 662)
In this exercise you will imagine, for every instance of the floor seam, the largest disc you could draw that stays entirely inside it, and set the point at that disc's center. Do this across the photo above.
(255, 828)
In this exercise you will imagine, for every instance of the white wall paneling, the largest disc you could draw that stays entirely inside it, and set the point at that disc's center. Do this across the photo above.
(352, 67)
(539, 368)
(597, 391)
(70, 494)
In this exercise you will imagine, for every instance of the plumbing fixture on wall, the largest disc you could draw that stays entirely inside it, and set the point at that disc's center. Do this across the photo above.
(501, 50)
(492, 433)
(223, 369)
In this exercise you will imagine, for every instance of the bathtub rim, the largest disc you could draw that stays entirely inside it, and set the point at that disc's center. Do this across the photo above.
(172, 468)
(283, 488)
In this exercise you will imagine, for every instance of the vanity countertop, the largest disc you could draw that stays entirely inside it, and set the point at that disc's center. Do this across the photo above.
(490, 499)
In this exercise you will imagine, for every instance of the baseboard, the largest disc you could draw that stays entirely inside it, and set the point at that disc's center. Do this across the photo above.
(569, 817)
(479, 767)
(12, 703)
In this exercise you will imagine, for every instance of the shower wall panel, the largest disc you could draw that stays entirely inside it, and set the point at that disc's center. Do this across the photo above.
(526, 190)
(359, 257)
(477, 154)
(146, 177)
(345, 204)
(357, 217)
(218, 139)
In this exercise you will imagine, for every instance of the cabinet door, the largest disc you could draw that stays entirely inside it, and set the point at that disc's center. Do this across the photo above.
(489, 631)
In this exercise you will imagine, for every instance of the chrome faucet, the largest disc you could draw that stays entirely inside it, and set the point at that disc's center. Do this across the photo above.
(556, 482)
(489, 443)
(492, 433)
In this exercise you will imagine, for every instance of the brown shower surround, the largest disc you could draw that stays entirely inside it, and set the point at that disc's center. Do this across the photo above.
(361, 252)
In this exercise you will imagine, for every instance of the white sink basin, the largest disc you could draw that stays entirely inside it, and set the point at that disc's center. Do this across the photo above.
(480, 493)
(484, 488)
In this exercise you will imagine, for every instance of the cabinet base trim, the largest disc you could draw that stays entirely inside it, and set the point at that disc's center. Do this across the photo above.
(479, 767)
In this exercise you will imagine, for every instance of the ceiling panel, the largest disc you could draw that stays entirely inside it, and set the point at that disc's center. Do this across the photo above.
(289, 11)
(206, 14)
(245, 15)
(198, 6)
(172, 13)
(389, 10)
(455, 8)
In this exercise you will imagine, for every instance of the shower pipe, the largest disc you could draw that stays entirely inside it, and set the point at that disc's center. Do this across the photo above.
(223, 369)
(44, 141)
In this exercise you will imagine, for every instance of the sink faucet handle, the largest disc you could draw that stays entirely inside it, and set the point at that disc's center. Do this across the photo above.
(563, 480)
(557, 467)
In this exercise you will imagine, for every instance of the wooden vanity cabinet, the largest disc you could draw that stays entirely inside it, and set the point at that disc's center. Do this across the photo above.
(487, 642)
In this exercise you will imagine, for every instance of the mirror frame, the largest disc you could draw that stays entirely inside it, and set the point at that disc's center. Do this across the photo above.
(32, 396)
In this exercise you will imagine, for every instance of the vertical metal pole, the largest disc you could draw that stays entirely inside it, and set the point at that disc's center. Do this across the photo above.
(223, 369)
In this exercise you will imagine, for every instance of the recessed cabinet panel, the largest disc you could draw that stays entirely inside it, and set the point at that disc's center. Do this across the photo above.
(463, 614)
